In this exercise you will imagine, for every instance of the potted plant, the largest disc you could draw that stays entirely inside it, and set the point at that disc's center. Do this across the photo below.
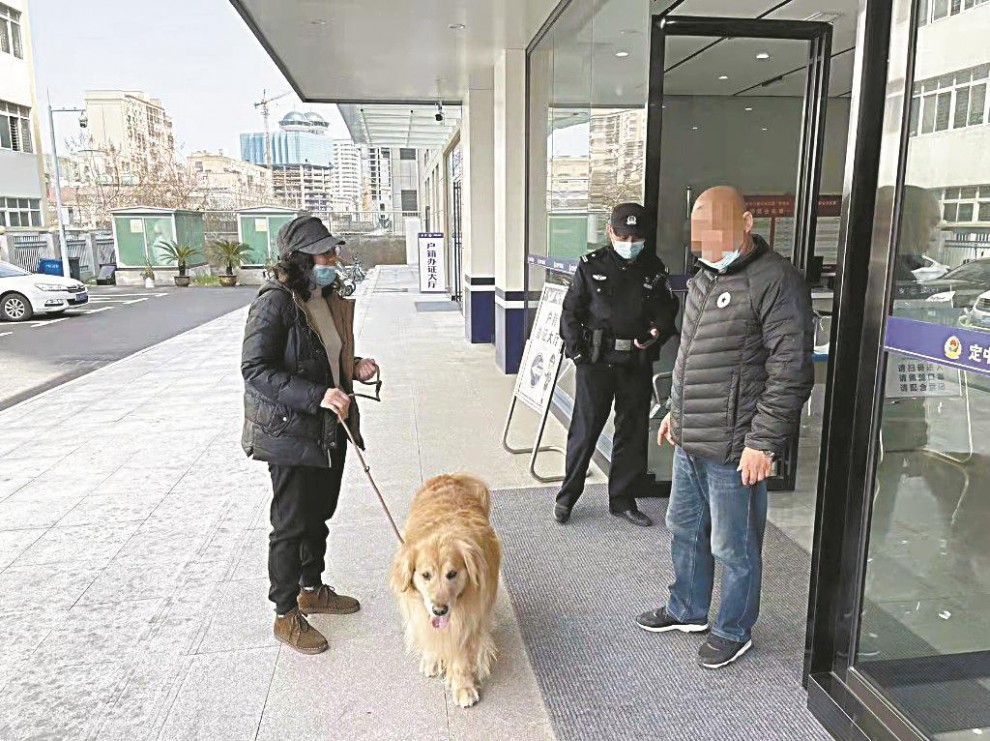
(179, 255)
(228, 254)
(149, 275)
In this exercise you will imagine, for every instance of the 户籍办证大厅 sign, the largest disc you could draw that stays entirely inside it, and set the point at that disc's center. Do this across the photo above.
(432, 265)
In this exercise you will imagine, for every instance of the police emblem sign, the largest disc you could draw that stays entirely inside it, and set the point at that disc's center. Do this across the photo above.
(432, 266)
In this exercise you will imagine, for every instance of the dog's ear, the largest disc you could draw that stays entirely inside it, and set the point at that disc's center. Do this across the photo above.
(403, 568)
(473, 562)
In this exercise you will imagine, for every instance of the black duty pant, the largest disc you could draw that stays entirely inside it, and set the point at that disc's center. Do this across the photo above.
(305, 498)
(597, 385)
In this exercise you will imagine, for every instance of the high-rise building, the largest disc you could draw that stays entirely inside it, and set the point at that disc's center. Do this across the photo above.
(131, 124)
(300, 140)
(226, 183)
(391, 179)
(302, 160)
(617, 151)
(22, 191)
(345, 176)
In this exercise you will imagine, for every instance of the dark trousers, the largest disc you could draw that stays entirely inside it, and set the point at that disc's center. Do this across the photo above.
(305, 498)
(598, 385)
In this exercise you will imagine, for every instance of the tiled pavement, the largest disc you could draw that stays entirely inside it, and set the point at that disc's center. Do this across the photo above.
(133, 536)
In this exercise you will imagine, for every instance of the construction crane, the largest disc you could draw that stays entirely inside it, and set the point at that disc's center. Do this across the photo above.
(263, 105)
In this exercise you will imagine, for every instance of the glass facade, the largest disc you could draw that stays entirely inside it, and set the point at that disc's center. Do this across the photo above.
(900, 580)
(924, 634)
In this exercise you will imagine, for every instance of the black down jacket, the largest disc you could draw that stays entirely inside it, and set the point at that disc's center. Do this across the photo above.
(286, 374)
(744, 368)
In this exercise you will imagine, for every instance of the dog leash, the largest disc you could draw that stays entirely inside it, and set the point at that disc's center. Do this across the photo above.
(377, 383)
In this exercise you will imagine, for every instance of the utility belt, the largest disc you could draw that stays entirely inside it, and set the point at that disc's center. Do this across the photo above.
(603, 345)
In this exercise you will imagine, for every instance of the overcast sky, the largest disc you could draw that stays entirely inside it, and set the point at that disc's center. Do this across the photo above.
(197, 56)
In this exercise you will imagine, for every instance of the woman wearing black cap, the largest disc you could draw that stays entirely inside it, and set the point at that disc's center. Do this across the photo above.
(299, 367)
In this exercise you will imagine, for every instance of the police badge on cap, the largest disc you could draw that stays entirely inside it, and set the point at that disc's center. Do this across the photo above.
(630, 220)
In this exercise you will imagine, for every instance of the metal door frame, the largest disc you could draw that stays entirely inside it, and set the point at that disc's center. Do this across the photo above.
(819, 36)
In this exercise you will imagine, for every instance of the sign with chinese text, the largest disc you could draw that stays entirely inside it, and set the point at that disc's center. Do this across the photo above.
(432, 270)
(913, 378)
(773, 219)
(544, 351)
(957, 347)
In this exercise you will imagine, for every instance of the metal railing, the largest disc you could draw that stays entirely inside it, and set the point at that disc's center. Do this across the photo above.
(223, 224)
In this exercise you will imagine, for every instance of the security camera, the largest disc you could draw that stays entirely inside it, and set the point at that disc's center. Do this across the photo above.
(83, 121)
(439, 114)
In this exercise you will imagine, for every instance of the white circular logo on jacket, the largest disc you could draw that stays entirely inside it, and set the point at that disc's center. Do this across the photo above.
(723, 300)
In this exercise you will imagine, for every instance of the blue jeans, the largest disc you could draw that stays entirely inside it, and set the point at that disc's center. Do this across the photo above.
(712, 516)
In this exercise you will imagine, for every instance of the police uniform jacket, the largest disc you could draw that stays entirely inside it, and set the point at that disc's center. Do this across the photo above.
(625, 298)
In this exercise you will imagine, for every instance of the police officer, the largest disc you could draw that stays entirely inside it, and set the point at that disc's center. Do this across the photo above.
(617, 313)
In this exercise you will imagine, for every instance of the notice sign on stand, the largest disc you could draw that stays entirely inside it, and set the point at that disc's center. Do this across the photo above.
(543, 352)
(432, 271)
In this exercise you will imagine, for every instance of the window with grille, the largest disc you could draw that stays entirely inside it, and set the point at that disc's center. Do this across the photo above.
(20, 212)
(407, 154)
(410, 200)
(15, 128)
(967, 205)
(10, 32)
(953, 101)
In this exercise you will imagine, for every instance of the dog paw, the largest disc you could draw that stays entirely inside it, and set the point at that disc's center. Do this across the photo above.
(430, 667)
(466, 696)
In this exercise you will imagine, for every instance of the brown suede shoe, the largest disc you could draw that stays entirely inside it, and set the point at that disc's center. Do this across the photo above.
(295, 631)
(326, 601)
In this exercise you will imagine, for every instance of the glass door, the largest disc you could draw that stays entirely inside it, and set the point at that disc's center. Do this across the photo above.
(923, 639)
(742, 102)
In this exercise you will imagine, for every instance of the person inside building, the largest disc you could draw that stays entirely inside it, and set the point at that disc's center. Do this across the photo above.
(617, 313)
(743, 373)
(299, 366)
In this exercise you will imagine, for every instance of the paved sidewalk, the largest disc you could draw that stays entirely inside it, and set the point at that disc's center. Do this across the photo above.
(133, 538)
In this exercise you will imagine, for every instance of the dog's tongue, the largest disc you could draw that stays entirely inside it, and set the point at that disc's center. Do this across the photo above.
(440, 622)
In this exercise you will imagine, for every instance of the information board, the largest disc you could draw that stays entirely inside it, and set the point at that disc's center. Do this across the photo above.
(432, 271)
(543, 352)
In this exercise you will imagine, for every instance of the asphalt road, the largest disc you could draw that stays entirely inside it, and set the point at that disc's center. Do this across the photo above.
(117, 322)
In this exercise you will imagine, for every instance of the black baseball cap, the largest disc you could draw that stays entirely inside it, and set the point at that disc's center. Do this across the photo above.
(306, 234)
(630, 220)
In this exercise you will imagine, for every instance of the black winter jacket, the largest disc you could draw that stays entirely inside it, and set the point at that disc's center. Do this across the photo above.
(286, 374)
(626, 298)
(744, 368)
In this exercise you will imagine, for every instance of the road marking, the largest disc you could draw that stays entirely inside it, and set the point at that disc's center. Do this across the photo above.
(108, 300)
(96, 311)
(114, 296)
(4, 334)
(48, 322)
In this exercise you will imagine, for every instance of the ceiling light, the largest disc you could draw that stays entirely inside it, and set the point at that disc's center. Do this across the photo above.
(765, 128)
(723, 77)
(694, 128)
(456, 26)
(318, 22)
(622, 54)
(749, 108)
(763, 55)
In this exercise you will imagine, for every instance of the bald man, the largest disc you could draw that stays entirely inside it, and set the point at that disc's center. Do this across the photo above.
(743, 373)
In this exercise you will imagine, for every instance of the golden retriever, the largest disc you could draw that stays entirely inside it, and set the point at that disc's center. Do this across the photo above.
(445, 577)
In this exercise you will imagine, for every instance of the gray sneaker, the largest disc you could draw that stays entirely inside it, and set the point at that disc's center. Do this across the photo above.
(718, 652)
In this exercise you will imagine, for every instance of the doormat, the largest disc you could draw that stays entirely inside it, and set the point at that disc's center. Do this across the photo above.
(576, 590)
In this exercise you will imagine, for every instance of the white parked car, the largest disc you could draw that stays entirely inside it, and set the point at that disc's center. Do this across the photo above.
(24, 294)
(931, 270)
(979, 313)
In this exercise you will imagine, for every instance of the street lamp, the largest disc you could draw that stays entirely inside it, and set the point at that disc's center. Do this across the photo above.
(83, 123)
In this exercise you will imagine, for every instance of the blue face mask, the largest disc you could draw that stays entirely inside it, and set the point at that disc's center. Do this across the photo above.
(727, 259)
(628, 250)
(324, 275)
